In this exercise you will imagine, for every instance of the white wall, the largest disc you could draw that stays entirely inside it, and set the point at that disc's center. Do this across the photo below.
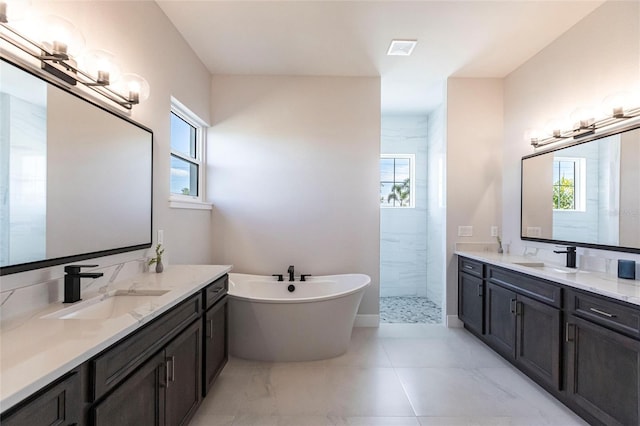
(597, 57)
(403, 231)
(293, 175)
(145, 42)
(474, 164)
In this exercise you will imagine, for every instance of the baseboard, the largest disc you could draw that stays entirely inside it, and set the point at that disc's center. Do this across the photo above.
(454, 322)
(363, 320)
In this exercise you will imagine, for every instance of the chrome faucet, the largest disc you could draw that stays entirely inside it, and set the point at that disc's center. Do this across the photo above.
(290, 272)
(571, 256)
(72, 281)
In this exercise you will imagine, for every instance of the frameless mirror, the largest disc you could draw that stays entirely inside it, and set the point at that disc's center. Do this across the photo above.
(586, 194)
(75, 181)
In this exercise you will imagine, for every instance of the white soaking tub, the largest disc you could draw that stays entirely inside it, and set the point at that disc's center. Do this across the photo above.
(267, 322)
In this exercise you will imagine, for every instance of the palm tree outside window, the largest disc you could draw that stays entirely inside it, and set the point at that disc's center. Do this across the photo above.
(397, 180)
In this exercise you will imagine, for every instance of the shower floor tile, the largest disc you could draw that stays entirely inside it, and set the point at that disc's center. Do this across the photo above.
(409, 309)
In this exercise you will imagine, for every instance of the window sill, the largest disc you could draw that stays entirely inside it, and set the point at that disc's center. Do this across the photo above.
(188, 204)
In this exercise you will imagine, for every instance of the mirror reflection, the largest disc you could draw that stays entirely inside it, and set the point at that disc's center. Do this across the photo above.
(584, 194)
(75, 178)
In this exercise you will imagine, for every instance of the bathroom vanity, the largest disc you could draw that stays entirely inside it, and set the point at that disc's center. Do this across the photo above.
(576, 333)
(151, 365)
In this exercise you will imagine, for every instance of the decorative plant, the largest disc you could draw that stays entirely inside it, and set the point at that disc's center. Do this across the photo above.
(158, 258)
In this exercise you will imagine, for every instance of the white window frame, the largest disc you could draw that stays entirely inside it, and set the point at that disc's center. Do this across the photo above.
(580, 184)
(191, 201)
(412, 178)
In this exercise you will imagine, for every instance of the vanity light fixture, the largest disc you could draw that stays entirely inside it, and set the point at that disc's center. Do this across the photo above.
(57, 45)
(401, 47)
(585, 124)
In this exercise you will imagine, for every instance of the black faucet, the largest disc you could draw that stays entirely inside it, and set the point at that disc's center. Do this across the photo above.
(290, 272)
(571, 256)
(72, 281)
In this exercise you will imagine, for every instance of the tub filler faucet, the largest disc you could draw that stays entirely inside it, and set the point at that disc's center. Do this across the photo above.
(290, 272)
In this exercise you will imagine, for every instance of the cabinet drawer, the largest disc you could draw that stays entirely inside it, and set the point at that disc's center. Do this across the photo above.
(121, 359)
(470, 266)
(606, 312)
(215, 291)
(537, 289)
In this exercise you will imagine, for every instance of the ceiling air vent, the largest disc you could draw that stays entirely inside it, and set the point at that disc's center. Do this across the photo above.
(401, 47)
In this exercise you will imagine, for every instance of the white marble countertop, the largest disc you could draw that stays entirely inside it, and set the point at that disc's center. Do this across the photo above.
(595, 282)
(35, 351)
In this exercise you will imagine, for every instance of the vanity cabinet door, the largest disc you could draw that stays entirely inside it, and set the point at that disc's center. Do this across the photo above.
(471, 301)
(500, 319)
(216, 343)
(59, 404)
(138, 401)
(538, 341)
(603, 372)
(184, 363)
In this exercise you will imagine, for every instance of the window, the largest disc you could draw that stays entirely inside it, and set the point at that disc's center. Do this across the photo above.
(397, 177)
(187, 154)
(569, 184)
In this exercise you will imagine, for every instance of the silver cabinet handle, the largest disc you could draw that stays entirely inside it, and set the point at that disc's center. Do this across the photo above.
(166, 371)
(468, 267)
(170, 377)
(568, 331)
(603, 313)
(210, 329)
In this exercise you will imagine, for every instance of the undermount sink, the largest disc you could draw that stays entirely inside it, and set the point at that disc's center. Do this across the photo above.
(112, 305)
(542, 265)
(530, 264)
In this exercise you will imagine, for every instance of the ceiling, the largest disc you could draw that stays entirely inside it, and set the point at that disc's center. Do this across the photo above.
(350, 38)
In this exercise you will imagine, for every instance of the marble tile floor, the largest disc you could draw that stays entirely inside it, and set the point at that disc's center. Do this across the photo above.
(409, 309)
(394, 375)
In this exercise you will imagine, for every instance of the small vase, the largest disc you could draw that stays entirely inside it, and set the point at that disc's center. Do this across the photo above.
(159, 267)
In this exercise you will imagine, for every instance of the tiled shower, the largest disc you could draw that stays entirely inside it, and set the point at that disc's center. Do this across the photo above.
(411, 238)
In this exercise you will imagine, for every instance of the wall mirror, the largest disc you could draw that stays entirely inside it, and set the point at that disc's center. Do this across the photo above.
(587, 194)
(75, 181)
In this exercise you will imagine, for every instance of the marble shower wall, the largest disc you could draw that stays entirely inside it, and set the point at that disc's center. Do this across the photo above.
(436, 210)
(403, 231)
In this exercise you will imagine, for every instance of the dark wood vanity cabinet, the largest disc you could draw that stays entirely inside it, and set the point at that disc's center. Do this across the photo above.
(603, 358)
(162, 390)
(216, 343)
(582, 347)
(156, 376)
(57, 404)
(139, 400)
(183, 358)
(501, 319)
(471, 295)
(523, 323)
(215, 331)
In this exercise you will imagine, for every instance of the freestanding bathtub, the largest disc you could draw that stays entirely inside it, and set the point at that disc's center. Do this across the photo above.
(267, 322)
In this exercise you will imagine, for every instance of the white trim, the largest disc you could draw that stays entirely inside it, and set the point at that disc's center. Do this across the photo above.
(195, 205)
(365, 320)
(184, 113)
(454, 322)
